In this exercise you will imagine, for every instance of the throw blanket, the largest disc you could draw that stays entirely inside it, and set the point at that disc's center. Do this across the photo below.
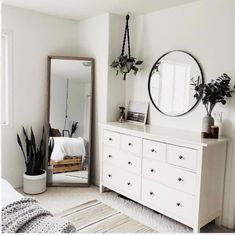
(65, 146)
(27, 216)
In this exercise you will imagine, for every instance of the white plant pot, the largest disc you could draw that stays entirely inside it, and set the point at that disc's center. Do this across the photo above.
(35, 184)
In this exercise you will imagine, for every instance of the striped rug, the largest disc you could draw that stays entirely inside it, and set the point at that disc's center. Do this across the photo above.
(97, 217)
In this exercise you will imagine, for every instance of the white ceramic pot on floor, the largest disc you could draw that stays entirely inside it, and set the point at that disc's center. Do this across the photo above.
(35, 184)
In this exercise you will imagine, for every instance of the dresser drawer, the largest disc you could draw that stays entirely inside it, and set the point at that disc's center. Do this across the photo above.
(159, 196)
(181, 156)
(126, 182)
(131, 184)
(171, 176)
(154, 150)
(111, 138)
(131, 144)
(126, 161)
(111, 176)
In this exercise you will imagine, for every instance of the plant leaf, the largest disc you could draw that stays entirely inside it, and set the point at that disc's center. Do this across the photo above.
(21, 146)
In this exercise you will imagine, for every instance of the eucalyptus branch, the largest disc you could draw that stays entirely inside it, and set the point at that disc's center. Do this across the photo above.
(216, 91)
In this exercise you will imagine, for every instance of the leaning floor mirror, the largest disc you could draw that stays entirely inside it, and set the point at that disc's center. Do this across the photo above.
(70, 118)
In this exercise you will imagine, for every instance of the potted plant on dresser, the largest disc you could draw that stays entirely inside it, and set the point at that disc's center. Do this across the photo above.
(34, 156)
(216, 91)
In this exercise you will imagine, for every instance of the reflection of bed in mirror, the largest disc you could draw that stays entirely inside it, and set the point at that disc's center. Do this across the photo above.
(70, 118)
(69, 154)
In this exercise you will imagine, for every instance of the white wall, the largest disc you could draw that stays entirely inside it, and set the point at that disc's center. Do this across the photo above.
(87, 110)
(77, 108)
(101, 38)
(115, 92)
(35, 36)
(93, 42)
(76, 104)
(206, 29)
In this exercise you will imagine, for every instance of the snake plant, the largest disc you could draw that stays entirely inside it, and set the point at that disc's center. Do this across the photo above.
(33, 155)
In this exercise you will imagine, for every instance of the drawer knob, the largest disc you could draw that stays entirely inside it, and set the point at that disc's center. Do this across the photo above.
(129, 144)
(153, 151)
(129, 163)
(179, 204)
(152, 170)
(109, 175)
(110, 139)
(151, 193)
(128, 183)
(180, 179)
(110, 156)
(181, 157)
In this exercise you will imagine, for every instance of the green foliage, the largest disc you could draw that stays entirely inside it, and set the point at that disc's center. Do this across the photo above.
(156, 68)
(50, 148)
(33, 156)
(73, 128)
(214, 92)
(123, 61)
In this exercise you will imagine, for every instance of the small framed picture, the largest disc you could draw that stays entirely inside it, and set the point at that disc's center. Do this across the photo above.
(137, 112)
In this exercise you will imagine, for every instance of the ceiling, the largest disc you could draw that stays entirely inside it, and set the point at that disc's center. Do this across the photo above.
(71, 69)
(82, 9)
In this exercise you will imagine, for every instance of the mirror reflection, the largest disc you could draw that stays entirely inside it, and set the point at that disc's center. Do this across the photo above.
(70, 119)
(170, 88)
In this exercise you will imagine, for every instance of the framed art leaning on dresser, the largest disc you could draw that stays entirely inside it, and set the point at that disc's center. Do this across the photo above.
(173, 172)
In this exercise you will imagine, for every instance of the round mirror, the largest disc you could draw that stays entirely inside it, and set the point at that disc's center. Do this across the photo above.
(170, 83)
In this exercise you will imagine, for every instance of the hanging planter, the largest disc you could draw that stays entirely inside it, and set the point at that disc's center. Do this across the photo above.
(125, 63)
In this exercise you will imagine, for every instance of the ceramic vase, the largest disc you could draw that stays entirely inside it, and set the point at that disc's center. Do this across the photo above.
(207, 122)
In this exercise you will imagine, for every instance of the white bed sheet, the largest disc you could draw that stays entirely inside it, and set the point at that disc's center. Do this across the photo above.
(8, 193)
(65, 146)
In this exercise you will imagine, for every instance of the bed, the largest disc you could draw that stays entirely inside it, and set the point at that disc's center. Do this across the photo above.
(9, 194)
(25, 215)
(69, 154)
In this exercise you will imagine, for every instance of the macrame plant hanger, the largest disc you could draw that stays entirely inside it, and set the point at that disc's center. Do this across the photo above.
(66, 108)
(127, 66)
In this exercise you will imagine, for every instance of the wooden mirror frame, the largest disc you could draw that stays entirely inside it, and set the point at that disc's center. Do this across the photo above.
(88, 59)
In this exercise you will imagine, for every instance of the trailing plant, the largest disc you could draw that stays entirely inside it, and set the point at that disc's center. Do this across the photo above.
(216, 91)
(50, 149)
(73, 128)
(124, 64)
(156, 68)
(33, 156)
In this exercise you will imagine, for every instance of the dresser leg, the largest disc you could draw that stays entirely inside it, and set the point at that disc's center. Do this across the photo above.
(101, 188)
(196, 229)
(218, 221)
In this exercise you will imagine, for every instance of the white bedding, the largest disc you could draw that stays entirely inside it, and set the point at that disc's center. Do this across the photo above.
(8, 193)
(65, 146)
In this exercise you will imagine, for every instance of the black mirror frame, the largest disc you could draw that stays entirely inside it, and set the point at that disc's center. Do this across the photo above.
(149, 80)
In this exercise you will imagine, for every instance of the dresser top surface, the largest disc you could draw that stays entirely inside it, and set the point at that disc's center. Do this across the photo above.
(164, 133)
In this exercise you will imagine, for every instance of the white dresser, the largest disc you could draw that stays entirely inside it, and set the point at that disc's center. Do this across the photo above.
(173, 172)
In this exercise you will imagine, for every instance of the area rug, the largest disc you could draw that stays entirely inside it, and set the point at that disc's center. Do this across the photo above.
(146, 216)
(97, 217)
